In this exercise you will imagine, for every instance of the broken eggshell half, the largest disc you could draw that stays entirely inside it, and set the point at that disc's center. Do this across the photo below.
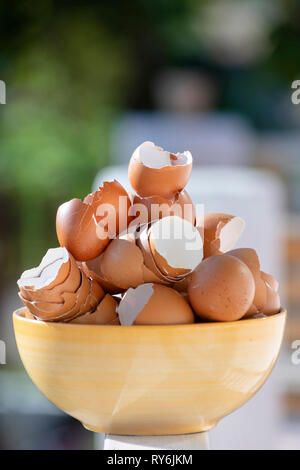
(176, 246)
(221, 232)
(68, 298)
(154, 304)
(85, 228)
(152, 208)
(153, 171)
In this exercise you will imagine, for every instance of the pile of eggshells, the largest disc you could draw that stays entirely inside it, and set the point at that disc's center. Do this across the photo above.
(141, 276)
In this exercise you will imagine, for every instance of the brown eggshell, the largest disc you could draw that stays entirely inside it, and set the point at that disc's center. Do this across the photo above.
(71, 305)
(71, 284)
(104, 314)
(110, 193)
(221, 288)
(164, 307)
(61, 276)
(250, 258)
(269, 279)
(182, 286)
(213, 224)
(143, 243)
(93, 298)
(56, 264)
(149, 276)
(28, 315)
(92, 269)
(122, 263)
(165, 181)
(273, 302)
(180, 205)
(76, 229)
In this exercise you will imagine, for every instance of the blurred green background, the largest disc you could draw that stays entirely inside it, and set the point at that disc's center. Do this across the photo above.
(71, 69)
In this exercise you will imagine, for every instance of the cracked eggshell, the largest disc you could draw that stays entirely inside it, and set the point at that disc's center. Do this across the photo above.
(53, 270)
(72, 302)
(74, 296)
(122, 263)
(155, 172)
(78, 224)
(221, 232)
(105, 314)
(142, 242)
(250, 258)
(110, 193)
(176, 246)
(222, 288)
(181, 205)
(76, 229)
(70, 284)
(154, 304)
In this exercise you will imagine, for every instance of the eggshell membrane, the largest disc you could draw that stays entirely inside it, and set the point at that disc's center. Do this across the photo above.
(76, 229)
(250, 258)
(164, 307)
(213, 225)
(221, 288)
(52, 258)
(175, 206)
(163, 265)
(71, 284)
(105, 313)
(269, 279)
(273, 302)
(109, 193)
(122, 263)
(165, 181)
(161, 261)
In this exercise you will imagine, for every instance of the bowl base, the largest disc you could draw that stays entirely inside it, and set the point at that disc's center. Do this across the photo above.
(151, 432)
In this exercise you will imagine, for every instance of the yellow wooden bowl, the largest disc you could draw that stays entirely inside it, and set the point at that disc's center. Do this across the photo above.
(149, 379)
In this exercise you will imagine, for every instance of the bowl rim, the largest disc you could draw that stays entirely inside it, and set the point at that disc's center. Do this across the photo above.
(282, 314)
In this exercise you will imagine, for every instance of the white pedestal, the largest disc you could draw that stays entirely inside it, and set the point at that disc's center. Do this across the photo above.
(197, 441)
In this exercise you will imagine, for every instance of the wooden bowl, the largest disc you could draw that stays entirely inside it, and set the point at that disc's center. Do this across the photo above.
(149, 380)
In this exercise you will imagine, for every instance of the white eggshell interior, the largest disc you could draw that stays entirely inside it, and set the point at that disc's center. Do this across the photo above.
(230, 234)
(178, 241)
(133, 302)
(47, 271)
(152, 156)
